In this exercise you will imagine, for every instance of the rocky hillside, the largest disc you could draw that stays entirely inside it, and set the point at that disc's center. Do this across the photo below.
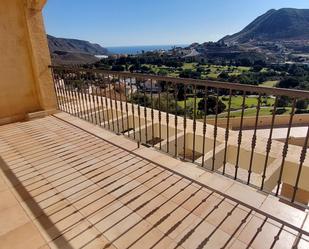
(75, 46)
(73, 51)
(275, 25)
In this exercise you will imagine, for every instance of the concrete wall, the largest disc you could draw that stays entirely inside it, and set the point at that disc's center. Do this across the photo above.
(25, 79)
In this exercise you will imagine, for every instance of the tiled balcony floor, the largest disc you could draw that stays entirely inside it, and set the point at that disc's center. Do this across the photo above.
(61, 187)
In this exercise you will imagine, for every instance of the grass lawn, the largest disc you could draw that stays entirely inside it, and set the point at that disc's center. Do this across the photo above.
(270, 83)
(236, 101)
(189, 66)
(189, 102)
(213, 70)
(265, 111)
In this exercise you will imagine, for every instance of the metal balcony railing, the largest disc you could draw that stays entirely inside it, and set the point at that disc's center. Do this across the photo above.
(190, 119)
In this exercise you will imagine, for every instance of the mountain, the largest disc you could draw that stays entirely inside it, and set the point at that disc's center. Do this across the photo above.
(75, 46)
(73, 51)
(285, 24)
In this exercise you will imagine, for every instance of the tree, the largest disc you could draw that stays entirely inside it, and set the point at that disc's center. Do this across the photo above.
(168, 103)
(117, 68)
(301, 104)
(257, 68)
(163, 72)
(224, 75)
(211, 105)
(288, 83)
(180, 92)
(283, 101)
(140, 98)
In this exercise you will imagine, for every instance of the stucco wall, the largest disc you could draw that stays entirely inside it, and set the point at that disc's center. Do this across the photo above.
(25, 80)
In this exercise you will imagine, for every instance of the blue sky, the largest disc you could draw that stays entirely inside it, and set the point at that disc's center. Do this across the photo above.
(154, 22)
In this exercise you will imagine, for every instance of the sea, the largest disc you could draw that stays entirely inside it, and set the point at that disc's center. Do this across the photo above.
(139, 49)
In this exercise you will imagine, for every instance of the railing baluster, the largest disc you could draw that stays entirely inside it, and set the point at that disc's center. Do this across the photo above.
(62, 91)
(93, 102)
(132, 109)
(116, 102)
(215, 132)
(106, 100)
(227, 131)
(72, 92)
(77, 100)
(240, 133)
(102, 102)
(185, 122)
(81, 103)
(167, 118)
(67, 91)
(286, 146)
(77, 110)
(139, 111)
(56, 88)
(160, 118)
(253, 141)
(269, 142)
(111, 101)
(204, 124)
(84, 96)
(194, 125)
(145, 112)
(126, 104)
(301, 162)
(175, 116)
(121, 105)
(152, 114)
(80, 85)
(97, 103)
(89, 99)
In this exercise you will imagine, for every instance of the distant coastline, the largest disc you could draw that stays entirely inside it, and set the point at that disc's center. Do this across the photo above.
(139, 49)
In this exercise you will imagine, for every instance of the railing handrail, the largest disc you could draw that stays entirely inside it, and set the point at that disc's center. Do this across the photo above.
(210, 83)
(108, 107)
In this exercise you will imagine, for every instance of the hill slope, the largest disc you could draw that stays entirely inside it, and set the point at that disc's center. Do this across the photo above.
(275, 25)
(74, 46)
(73, 51)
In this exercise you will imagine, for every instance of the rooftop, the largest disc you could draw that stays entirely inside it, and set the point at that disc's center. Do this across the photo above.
(70, 184)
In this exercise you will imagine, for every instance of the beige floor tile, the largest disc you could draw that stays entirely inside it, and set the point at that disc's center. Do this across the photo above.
(94, 202)
(303, 244)
(3, 185)
(262, 239)
(12, 218)
(25, 236)
(47, 207)
(45, 247)
(247, 195)
(236, 244)
(282, 211)
(189, 170)
(202, 234)
(137, 236)
(82, 235)
(7, 200)
(215, 181)
(60, 221)
(114, 219)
